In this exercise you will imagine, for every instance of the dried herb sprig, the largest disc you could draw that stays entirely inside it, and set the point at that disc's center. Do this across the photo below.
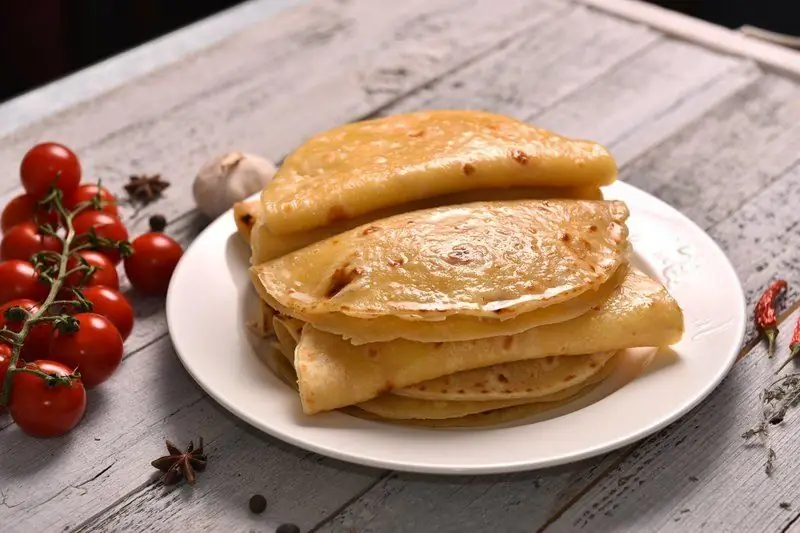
(777, 398)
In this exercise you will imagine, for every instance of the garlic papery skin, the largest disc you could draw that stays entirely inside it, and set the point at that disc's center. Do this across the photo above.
(228, 179)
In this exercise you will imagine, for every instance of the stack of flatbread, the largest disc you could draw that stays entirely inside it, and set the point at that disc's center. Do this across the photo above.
(448, 268)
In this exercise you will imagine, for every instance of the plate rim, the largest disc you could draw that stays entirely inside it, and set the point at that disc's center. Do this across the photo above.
(490, 468)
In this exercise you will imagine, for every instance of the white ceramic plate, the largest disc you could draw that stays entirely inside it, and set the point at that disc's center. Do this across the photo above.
(210, 299)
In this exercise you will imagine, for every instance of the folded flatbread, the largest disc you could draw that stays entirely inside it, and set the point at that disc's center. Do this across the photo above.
(267, 245)
(460, 327)
(484, 259)
(334, 373)
(370, 165)
(547, 379)
(430, 415)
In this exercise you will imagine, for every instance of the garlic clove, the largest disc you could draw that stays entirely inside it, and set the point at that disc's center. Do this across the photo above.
(228, 179)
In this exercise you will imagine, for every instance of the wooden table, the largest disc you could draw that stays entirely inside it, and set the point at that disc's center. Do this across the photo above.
(700, 116)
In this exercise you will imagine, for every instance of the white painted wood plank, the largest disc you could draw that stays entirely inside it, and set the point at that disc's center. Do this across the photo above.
(122, 68)
(762, 239)
(537, 69)
(685, 110)
(510, 503)
(704, 33)
(55, 484)
(698, 474)
(714, 166)
(636, 92)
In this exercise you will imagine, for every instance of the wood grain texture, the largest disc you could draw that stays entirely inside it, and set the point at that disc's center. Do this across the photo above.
(738, 148)
(699, 474)
(60, 483)
(636, 92)
(509, 503)
(762, 239)
(538, 68)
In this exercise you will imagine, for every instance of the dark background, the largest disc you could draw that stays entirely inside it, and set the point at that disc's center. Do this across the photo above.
(43, 40)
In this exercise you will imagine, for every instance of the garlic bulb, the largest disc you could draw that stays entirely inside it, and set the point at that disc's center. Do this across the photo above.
(228, 179)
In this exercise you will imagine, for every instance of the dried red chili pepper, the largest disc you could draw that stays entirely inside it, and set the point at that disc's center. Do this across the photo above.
(794, 346)
(766, 319)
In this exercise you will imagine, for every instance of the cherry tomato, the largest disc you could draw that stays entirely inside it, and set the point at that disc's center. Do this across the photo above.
(19, 279)
(87, 192)
(105, 225)
(5, 362)
(49, 164)
(106, 273)
(24, 240)
(95, 349)
(25, 208)
(37, 342)
(110, 303)
(44, 410)
(154, 258)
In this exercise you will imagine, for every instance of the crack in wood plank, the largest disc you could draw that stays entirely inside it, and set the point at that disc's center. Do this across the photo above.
(791, 523)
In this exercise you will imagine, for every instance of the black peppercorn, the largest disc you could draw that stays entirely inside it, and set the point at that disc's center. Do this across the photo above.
(157, 223)
(258, 504)
(287, 528)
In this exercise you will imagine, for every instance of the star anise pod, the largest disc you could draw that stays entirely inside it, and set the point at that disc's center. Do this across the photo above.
(178, 464)
(146, 188)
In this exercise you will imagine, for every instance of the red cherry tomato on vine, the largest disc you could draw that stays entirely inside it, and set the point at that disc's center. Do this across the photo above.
(154, 258)
(24, 240)
(105, 273)
(110, 303)
(19, 279)
(87, 192)
(41, 409)
(37, 343)
(5, 362)
(49, 164)
(105, 226)
(25, 208)
(95, 349)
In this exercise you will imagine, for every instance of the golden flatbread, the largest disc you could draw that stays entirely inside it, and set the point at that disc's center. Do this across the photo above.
(487, 259)
(267, 245)
(525, 379)
(334, 373)
(549, 385)
(486, 417)
(458, 327)
(370, 165)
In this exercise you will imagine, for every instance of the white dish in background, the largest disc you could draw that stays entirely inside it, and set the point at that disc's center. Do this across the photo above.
(209, 334)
